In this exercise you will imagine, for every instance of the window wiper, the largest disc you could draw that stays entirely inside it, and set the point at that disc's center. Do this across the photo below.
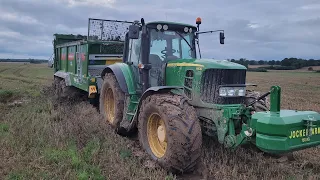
(184, 40)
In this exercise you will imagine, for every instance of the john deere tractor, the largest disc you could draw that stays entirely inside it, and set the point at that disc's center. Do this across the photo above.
(171, 97)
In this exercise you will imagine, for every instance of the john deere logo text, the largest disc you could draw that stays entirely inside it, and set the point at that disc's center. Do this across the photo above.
(304, 132)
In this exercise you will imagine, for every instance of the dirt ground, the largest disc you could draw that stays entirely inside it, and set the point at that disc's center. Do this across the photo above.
(43, 139)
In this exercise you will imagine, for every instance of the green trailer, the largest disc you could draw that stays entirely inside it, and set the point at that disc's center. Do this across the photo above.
(79, 61)
(165, 91)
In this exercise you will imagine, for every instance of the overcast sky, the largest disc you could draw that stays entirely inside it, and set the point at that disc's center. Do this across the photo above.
(254, 29)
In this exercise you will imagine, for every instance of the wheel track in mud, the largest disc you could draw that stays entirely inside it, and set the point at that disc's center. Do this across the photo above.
(17, 74)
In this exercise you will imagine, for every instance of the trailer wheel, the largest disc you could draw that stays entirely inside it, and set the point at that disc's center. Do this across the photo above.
(68, 92)
(262, 105)
(170, 132)
(56, 86)
(111, 100)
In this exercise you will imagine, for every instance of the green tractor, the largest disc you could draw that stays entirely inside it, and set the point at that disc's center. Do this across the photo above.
(171, 97)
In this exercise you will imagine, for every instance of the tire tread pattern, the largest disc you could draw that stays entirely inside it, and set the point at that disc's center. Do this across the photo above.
(261, 105)
(184, 136)
(110, 81)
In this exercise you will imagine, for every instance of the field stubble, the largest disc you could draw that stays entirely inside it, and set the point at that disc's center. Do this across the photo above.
(43, 139)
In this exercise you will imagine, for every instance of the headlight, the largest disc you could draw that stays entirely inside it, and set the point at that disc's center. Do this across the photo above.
(232, 91)
(242, 92)
(223, 92)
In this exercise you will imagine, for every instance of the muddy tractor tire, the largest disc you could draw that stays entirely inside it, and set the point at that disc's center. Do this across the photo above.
(169, 131)
(261, 105)
(111, 102)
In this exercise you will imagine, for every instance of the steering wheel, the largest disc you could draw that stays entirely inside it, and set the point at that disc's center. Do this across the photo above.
(164, 52)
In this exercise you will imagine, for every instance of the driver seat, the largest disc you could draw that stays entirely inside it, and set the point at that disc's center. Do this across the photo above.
(155, 72)
(155, 60)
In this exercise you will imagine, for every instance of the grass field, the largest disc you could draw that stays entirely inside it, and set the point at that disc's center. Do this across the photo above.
(42, 139)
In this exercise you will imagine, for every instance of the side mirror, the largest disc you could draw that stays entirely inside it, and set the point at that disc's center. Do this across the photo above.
(222, 38)
(133, 32)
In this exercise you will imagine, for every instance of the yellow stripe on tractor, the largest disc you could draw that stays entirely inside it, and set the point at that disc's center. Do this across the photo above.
(113, 60)
(184, 65)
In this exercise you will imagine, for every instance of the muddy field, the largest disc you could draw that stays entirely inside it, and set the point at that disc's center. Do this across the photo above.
(43, 139)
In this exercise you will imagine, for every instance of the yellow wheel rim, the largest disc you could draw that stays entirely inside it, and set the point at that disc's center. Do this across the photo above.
(157, 137)
(109, 105)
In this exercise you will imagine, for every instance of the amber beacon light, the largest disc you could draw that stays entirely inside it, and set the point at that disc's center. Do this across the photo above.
(198, 20)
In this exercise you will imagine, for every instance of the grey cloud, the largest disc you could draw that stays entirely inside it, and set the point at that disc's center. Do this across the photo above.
(264, 29)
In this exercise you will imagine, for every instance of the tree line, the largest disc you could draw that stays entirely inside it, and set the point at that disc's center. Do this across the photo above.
(32, 61)
(285, 64)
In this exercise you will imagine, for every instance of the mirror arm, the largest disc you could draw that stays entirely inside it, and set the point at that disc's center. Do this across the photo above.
(199, 47)
(203, 32)
(197, 37)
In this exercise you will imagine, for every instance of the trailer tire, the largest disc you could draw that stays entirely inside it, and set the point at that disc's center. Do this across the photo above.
(56, 86)
(64, 93)
(261, 105)
(68, 92)
(178, 132)
(111, 99)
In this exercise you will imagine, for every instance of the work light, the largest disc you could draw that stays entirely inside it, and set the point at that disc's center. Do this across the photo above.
(232, 91)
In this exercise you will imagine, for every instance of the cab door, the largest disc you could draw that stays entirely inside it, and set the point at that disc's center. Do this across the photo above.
(134, 58)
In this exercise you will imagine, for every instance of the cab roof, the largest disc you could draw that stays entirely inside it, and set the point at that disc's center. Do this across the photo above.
(168, 22)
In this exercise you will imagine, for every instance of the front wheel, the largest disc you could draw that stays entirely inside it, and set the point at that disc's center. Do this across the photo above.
(170, 132)
(261, 105)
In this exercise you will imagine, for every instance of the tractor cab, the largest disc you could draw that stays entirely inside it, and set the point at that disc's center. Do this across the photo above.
(170, 41)
(151, 46)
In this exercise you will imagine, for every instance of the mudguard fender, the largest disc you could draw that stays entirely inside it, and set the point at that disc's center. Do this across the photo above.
(65, 76)
(150, 91)
(156, 89)
(123, 75)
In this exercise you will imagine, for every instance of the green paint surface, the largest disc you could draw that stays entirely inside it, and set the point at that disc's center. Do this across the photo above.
(128, 75)
(285, 130)
(71, 56)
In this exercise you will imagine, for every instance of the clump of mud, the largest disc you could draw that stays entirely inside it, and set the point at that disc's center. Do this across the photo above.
(8, 96)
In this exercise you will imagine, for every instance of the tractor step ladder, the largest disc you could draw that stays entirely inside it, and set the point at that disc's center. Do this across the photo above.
(130, 113)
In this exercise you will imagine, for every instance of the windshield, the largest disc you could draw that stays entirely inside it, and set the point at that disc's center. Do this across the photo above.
(171, 45)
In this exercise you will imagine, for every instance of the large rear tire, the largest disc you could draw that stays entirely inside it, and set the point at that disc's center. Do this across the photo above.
(261, 105)
(170, 132)
(111, 101)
